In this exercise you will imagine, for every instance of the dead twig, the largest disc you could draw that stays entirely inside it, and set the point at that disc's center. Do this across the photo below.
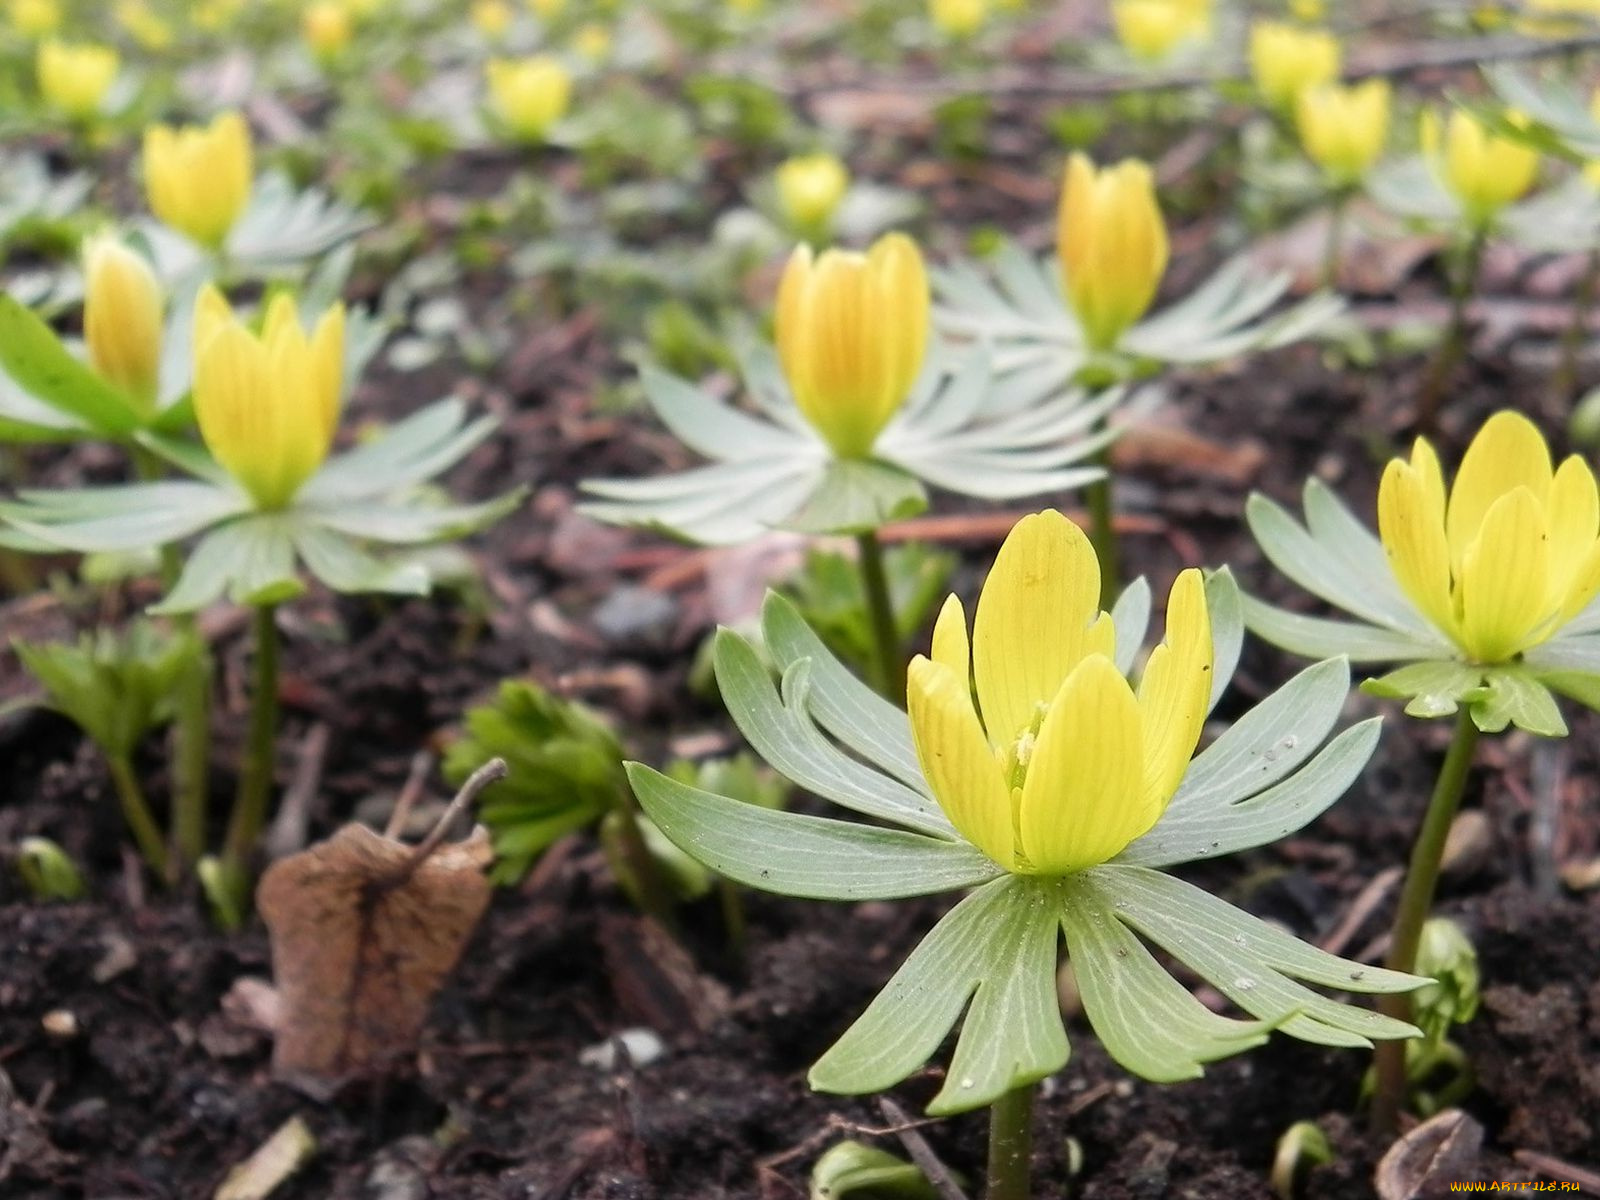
(921, 1153)
(491, 772)
(1369, 898)
(1554, 1168)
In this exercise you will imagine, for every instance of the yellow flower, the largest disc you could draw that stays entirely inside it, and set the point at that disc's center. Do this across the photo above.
(492, 17)
(197, 178)
(1343, 129)
(1510, 555)
(746, 7)
(1112, 243)
(1285, 60)
(810, 188)
(35, 18)
(267, 404)
(958, 18)
(1308, 11)
(530, 94)
(143, 25)
(1059, 763)
(547, 10)
(122, 319)
(592, 42)
(1485, 172)
(852, 331)
(326, 28)
(1150, 30)
(75, 77)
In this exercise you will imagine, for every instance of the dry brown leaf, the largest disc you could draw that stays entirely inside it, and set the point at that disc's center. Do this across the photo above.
(363, 934)
(1425, 1161)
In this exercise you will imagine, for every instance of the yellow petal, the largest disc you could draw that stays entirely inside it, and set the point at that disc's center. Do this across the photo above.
(1411, 526)
(950, 646)
(1504, 583)
(1508, 452)
(231, 398)
(1036, 620)
(961, 770)
(1582, 587)
(1080, 799)
(1175, 693)
(327, 362)
(1573, 513)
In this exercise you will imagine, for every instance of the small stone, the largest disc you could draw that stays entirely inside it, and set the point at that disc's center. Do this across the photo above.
(119, 958)
(642, 1046)
(637, 618)
(61, 1024)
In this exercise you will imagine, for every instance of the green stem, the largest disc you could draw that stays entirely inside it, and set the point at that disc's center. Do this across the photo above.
(1010, 1145)
(1416, 900)
(1334, 250)
(255, 778)
(655, 897)
(733, 919)
(1454, 345)
(1103, 531)
(1565, 385)
(880, 610)
(136, 811)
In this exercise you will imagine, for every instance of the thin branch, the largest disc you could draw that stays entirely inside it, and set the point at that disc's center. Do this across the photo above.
(410, 793)
(921, 1153)
(491, 772)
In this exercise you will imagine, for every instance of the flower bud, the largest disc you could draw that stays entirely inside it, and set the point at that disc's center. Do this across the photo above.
(958, 18)
(1482, 170)
(810, 188)
(1343, 129)
(1150, 30)
(122, 319)
(326, 29)
(529, 94)
(1285, 60)
(1446, 955)
(1112, 243)
(35, 18)
(74, 78)
(492, 18)
(197, 178)
(852, 331)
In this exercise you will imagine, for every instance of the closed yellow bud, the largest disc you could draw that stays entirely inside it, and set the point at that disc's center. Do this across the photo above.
(547, 10)
(1308, 10)
(122, 319)
(746, 6)
(810, 188)
(75, 78)
(958, 18)
(1483, 171)
(1343, 129)
(852, 331)
(592, 42)
(529, 94)
(1112, 243)
(1150, 30)
(35, 18)
(1285, 60)
(326, 29)
(197, 178)
(267, 404)
(144, 25)
(492, 18)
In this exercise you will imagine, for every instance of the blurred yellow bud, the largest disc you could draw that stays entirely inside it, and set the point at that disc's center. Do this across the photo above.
(1309, 11)
(958, 18)
(122, 319)
(143, 25)
(197, 178)
(746, 6)
(492, 18)
(852, 331)
(592, 42)
(547, 10)
(1112, 242)
(810, 188)
(1285, 60)
(326, 28)
(1343, 129)
(75, 77)
(268, 403)
(35, 18)
(1150, 30)
(529, 94)
(1482, 170)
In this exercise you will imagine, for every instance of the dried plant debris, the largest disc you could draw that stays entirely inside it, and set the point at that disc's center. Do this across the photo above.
(364, 930)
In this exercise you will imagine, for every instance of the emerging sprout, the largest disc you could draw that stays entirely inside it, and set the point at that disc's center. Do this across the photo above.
(48, 871)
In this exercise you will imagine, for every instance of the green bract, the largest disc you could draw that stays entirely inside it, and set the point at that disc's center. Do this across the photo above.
(994, 955)
(1013, 305)
(1335, 557)
(371, 496)
(961, 430)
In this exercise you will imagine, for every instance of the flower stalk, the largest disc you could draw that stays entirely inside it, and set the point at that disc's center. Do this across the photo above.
(1416, 899)
(255, 779)
(1565, 384)
(136, 811)
(1454, 345)
(1010, 1144)
(890, 665)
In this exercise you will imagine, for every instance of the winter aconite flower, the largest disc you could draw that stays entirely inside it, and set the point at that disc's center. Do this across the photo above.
(326, 27)
(1343, 129)
(1286, 59)
(1483, 171)
(197, 178)
(1488, 584)
(1112, 242)
(958, 18)
(529, 94)
(122, 319)
(1059, 763)
(1150, 30)
(810, 188)
(267, 404)
(852, 330)
(74, 78)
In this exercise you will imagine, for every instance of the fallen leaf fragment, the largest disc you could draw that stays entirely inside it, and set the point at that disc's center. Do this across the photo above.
(1442, 1150)
(277, 1158)
(364, 929)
